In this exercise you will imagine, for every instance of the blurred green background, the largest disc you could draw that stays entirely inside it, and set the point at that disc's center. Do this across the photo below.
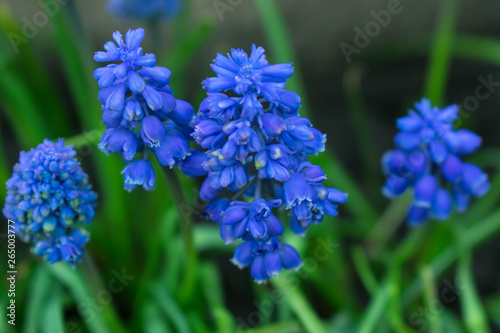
(364, 271)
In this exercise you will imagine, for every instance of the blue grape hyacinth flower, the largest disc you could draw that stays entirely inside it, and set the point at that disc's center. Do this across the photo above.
(49, 198)
(145, 9)
(140, 110)
(257, 145)
(428, 159)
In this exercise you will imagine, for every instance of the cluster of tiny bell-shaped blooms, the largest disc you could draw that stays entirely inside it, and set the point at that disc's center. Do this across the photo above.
(429, 158)
(49, 199)
(257, 145)
(139, 110)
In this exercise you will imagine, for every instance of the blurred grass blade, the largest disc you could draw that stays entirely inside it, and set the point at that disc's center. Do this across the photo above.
(33, 71)
(213, 292)
(53, 320)
(21, 110)
(478, 48)
(38, 294)
(361, 124)
(376, 308)
(299, 304)
(441, 53)
(283, 327)
(472, 309)
(167, 304)
(281, 49)
(364, 271)
(207, 237)
(78, 73)
(185, 49)
(152, 319)
(431, 296)
(102, 321)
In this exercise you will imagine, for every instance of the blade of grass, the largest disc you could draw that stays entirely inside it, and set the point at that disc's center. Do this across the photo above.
(28, 65)
(430, 295)
(52, 320)
(153, 256)
(185, 50)
(280, 43)
(376, 308)
(102, 321)
(282, 327)
(361, 125)
(299, 304)
(38, 294)
(364, 271)
(213, 292)
(470, 301)
(169, 307)
(21, 110)
(441, 53)
(152, 319)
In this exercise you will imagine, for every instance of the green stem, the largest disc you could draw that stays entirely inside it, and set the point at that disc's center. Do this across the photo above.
(186, 225)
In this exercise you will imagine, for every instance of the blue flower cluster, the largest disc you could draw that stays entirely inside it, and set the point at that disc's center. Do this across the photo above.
(257, 145)
(145, 9)
(427, 158)
(49, 199)
(136, 93)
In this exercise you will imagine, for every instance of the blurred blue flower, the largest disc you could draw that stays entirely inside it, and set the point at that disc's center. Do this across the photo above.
(49, 198)
(145, 9)
(257, 145)
(139, 109)
(428, 159)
